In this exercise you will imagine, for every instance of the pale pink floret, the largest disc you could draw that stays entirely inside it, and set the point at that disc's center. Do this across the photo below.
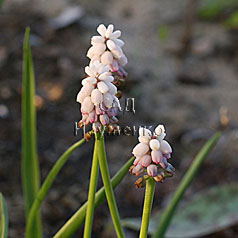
(165, 147)
(164, 163)
(157, 156)
(152, 170)
(140, 149)
(138, 170)
(145, 160)
(154, 144)
(137, 160)
(104, 119)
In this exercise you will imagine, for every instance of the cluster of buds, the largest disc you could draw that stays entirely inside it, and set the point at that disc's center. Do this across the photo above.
(99, 94)
(152, 155)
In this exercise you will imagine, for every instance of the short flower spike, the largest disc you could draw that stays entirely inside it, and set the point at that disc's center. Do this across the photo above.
(152, 155)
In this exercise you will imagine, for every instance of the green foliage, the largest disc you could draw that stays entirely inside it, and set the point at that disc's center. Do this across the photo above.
(204, 214)
(232, 21)
(72, 225)
(210, 9)
(163, 33)
(3, 218)
(47, 184)
(186, 181)
(30, 164)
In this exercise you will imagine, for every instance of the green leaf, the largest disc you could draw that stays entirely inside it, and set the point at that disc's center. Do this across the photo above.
(204, 214)
(163, 33)
(72, 225)
(30, 164)
(210, 9)
(3, 217)
(47, 185)
(232, 21)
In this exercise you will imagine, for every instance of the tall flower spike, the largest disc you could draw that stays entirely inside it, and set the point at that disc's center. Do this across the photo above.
(152, 154)
(98, 96)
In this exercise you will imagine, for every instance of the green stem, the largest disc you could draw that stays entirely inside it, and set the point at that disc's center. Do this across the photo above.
(91, 195)
(108, 186)
(47, 184)
(186, 181)
(72, 225)
(149, 195)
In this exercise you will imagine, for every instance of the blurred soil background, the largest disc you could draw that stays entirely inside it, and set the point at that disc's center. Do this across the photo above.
(182, 72)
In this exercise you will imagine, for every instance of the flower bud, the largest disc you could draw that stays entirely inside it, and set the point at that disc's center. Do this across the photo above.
(107, 58)
(157, 156)
(80, 97)
(96, 96)
(97, 39)
(122, 60)
(87, 105)
(111, 45)
(119, 42)
(112, 112)
(137, 160)
(99, 110)
(103, 88)
(165, 147)
(109, 31)
(164, 163)
(104, 119)
(115, 34)
(102, 30)
(145, 160)
(114, 66)
(159, 130)
(152, 170)
(170, 168)
(138, 170)
(140, 149)
(90, 81)
(154, 144)
(112, 88)
(108, 100)
(93, 116)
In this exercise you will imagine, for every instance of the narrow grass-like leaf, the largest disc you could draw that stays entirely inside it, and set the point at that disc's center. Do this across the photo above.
(71, 226)
(3, 217)
(30, 164)
(186, 181)
(47, 184)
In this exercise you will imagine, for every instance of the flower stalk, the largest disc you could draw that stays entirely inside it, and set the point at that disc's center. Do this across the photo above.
(149, 196)
(108, 185)
(91, 194)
